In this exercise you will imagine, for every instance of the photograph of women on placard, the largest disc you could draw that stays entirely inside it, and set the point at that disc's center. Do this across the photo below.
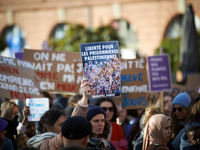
(102, 72)
(104, 78)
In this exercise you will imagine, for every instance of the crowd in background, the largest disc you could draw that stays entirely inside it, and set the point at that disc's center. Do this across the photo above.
(73, 123)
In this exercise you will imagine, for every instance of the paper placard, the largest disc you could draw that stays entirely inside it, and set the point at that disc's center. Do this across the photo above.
(78, 75)
(38, 106)
(101, 65)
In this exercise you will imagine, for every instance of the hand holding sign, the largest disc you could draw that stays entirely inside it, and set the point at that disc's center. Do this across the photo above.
(86, 91)
(38, 106)
(26, 113)
(85, 88)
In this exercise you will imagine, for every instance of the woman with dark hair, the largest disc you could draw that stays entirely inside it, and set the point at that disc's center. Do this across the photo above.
(192, 118)
(49, 126)
(116, 135)
(179, 112)
(100, 129)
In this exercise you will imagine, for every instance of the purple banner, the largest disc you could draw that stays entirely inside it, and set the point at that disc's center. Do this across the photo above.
(19, 55)
(159, 73)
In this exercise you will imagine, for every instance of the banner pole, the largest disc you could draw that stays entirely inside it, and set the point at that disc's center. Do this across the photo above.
(161, 93)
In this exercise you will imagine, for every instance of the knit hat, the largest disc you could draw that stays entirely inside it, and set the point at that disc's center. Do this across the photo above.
(3, 124)
(94, 110)
(182, 99)
(76, 127)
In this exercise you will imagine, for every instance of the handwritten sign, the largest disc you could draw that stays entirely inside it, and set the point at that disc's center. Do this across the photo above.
(17, 79)
(78, 75)
(101, 65)
(55, 69)
(159, 73)
(134, 83)
(38, 106)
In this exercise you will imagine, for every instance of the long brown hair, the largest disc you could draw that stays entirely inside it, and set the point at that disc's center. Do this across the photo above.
(193, 112)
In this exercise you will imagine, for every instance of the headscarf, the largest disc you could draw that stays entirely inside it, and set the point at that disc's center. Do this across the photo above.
(153, 131)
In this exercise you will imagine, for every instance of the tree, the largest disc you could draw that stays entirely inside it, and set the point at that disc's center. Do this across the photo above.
(77, 34)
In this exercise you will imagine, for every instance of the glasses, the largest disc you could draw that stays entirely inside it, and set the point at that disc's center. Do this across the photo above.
(177, 108)
(107, 108)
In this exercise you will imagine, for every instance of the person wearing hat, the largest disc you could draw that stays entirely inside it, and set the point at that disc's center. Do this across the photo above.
(75, 131)
(56, 140)
(100, 129)
(97, 117)
(179, 112)
(5, 143)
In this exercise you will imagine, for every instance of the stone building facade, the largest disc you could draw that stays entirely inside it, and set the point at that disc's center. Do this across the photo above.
(149, 19)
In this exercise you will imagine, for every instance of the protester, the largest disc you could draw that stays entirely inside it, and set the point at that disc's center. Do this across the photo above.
(157, 133)
(49, 126)
(30, 132)
(167, 104)
(73, 100)
(149, 112)
(15, 129)
(75, 131)
(193, 118)
(122, 119)
(116, 135)
(97, 117)
(46, 94)
(179, 112)
(135, 131)
(5, 143)
(100, 129)
(191, 139)
(51, 140)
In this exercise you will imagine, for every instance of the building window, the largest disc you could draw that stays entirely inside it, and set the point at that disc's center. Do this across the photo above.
(58, 31)
(175, 26)
(129, 36)
(15, 40)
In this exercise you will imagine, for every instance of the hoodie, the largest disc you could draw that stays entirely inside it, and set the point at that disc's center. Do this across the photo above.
(38, 139)
(177, 141)
(185, 145)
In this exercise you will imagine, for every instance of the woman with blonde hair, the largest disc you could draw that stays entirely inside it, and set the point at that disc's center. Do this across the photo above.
(15, 130)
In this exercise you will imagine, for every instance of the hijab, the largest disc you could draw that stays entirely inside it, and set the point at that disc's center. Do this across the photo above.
(153, 131)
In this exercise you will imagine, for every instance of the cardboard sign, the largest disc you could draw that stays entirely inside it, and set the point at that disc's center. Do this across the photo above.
(37, 106)
(17, 79)
(55, 69)
(101, 65)
(134, 83)
(78, 75)
(191, 87)
(159, 73)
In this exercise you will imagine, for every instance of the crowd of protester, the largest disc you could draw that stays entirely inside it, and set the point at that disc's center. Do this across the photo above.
(75, 124)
